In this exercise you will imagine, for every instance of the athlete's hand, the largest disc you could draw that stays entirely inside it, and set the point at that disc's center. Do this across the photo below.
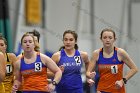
(90, 82)
(62, 68)
(50, 87)
(119, 83)
(14, 89)
(91, 74)
(98, 92)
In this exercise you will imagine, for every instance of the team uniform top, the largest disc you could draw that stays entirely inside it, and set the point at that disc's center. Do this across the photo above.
(34, 75)
(110, 70)
(2, 90)
(6, 85)
(8, 81)
(71, 77)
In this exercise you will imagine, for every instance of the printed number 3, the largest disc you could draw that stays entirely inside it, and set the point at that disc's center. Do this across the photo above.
(114, 69)
(38, 66)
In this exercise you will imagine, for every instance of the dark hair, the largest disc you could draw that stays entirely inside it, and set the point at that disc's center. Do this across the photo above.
(35, 33)
(107, 30)
(2, 38)
(74, 35)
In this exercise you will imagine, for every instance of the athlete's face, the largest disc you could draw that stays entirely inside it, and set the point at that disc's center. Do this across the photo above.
(3, 46)
(35, 38)
(108, 39)
(28, 43)
(69, 41)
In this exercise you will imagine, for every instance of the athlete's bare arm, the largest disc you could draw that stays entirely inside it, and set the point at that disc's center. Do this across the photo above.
(52, 67)
(129, 62)
(92, 64)
(55, 58)
(2, 67)
(85, 58)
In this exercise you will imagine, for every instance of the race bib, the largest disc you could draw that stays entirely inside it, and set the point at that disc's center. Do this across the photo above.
(38, 66)
(114, 69)
(77, 59)
(8, 68)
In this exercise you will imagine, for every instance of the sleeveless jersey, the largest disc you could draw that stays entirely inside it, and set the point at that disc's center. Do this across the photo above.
(34, 75)
(8, 81)
(2, 89)
(110, 70)
(71, 77)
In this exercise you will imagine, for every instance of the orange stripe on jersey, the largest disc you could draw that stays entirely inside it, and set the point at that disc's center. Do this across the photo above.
(35, 81)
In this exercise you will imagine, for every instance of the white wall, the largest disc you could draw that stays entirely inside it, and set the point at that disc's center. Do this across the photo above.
(60, 16)
(108, 13)
(133, 46)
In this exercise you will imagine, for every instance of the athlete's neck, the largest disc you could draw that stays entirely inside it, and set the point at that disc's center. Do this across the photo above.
(70, 52)
(108, 50)
(29, 55)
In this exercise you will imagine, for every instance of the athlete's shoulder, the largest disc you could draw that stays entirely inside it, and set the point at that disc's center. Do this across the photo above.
(11, 55)
(56, 56)
(44, 57)
(1, 54)
(97, 51)
(2, 57)
(20, 56)
(57, 53)
(121, 51)
(95, 54)
(83, 53)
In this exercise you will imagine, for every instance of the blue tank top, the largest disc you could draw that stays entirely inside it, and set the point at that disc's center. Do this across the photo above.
(111, 60)
(37, 65)
(71, 77)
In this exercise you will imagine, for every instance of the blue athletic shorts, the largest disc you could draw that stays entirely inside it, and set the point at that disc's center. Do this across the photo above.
(34, 92)
(70, 90)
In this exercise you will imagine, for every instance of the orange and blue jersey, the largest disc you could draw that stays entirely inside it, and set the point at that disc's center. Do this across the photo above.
(34, 76)
(110, 70)
(71, 81)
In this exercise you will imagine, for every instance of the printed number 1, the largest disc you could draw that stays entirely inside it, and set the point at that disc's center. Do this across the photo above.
(8, 68)
(114, 69)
